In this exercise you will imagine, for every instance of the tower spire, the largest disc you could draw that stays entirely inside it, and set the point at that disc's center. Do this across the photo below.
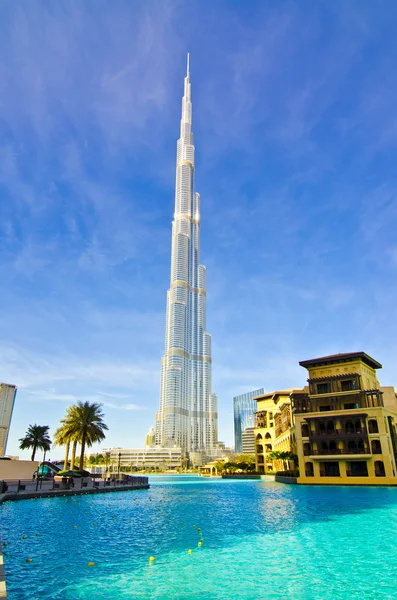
(188, 65)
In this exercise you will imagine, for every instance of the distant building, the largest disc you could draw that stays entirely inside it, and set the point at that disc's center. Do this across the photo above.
(7, 398)
(244, 409)
(248, 441)
(150, 438)
(155, 457)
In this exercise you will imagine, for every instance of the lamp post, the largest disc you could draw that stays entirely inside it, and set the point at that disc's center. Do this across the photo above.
(107, 454)
(42, 469)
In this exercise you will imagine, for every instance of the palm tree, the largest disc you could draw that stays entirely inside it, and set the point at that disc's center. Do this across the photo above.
(285, 457)
(62, 439)
(85, 423)
(66, 434)
(36, 437)
(274, 455)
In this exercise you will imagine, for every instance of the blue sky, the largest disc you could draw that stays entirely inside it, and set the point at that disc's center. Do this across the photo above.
(295, 121)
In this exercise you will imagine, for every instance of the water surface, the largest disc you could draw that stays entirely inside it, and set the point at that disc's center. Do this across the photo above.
(262, 541)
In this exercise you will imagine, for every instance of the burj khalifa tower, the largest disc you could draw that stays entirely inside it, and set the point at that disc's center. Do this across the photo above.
(188, 409)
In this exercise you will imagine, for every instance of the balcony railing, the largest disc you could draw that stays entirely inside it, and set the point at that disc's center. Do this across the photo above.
(339, 432)
(337, 451)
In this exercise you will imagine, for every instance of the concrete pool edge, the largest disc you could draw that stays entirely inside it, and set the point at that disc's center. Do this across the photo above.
(14, 496)
(3, 591)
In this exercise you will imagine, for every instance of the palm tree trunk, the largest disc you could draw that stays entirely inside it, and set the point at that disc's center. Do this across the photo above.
(73, 455)
(34, 452)
(65, 464)
(82, 451)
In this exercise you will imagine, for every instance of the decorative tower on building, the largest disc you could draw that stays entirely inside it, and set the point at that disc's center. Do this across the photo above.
(188, 410)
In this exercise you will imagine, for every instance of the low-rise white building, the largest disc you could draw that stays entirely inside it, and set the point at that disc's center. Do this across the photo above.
(154, 457)
(248, 440)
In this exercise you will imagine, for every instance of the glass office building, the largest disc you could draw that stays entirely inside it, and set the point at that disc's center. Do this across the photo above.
(244, 409)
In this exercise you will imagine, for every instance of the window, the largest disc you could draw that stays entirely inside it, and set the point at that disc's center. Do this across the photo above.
(379, 469)
(325, 407)
(322, 388)
(305, 430)
(309, 472)
(329, 469)
(347, 385)
(351, 405)
(376, 448)
(373, 426)
(357, 469)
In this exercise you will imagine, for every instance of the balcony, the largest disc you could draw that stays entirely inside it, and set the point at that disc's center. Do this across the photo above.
(359, 433)
(335, 400)
(337, 451)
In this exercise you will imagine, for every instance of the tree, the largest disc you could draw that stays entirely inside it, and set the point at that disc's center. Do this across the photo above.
(248, 459)
(285, 457)
(61, 438)
(85, 422)
(274, 455)
(36, 437)
(219, 466)
(67, 434)
(231, 467)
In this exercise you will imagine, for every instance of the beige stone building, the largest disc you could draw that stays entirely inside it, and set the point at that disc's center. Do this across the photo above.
(272, 428)
(342, 425)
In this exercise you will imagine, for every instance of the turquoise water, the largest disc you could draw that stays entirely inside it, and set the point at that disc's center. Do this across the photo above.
(262, 541)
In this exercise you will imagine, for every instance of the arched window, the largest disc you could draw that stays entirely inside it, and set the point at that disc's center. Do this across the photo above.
(324, 446)
(376, 448)
(258, 437)
(259, 449)
(351, 445)
(307, 450)
(361, 446)
(373, 426)
(332, 447)
(358, 426)
(349, 427)
(330, 427)
(379, 468)
(305, 430)
(321, 427)
(309, 472)
(268, 436)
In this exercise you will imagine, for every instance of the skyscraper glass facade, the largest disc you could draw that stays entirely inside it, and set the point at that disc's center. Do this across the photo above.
(244, 409)
(188, 409)
(7, 398)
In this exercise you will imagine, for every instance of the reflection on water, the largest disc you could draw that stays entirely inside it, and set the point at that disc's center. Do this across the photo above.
(261, 540)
